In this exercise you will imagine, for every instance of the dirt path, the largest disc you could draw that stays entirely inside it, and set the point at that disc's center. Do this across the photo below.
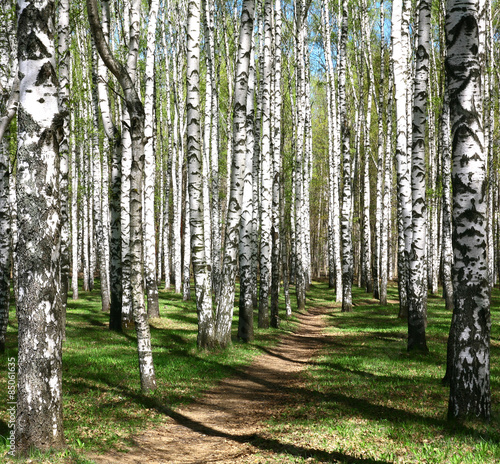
(227, 423)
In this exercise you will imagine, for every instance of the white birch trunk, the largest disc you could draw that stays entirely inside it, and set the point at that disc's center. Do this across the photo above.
(377, 268)
(74, 215)
(98, 219)
(186, 267)
(300, 281)
(385, 224)
(84, 230)
(136, 112)
(64, 75)
(346, 221)
(366, 227)
(111, 204)
(330, 89)
(225, 303)
(211, 143)
(417, 283)
(470, 394)
(39, 307)
(266, 175)
(150, 168)
(277, 171)
(198, 248)
(399, 64)
(246, 245)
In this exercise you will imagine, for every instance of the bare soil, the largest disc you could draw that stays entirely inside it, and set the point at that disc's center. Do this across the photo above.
(228, 423)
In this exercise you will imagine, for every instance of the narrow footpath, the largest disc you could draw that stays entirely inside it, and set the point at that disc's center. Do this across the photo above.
(227, 424)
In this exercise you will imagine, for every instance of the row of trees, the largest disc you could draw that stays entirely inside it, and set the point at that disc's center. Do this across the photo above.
(183, 139)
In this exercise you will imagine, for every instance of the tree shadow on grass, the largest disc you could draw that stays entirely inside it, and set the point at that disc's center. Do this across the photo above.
(259, 441)
(330, 403)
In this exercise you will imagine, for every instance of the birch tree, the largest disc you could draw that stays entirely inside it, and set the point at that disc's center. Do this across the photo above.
(39, 306)
(447, 245)
(470, 328)
(399, 64)
(417, 284)
(276, 163)
(366, 227)
(150, 168)
(63, 68)
(300, 280)
(136, 116)
(266, 174)
(346, 218)
(246, 241)
(225, 301)
(377, 268)
(386, 199)
(99, 220)
(206, 329)
(114, 139)
(334, 161)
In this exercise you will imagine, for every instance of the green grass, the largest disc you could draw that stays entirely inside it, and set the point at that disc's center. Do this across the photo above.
(365, 399)
(103, 404)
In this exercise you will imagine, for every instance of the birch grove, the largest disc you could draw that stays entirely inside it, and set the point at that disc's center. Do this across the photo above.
(240, 155)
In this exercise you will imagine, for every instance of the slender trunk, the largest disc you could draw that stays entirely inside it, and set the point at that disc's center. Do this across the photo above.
(300, 280)
(186, 285)
(114, 212)
(276, 161)
(245, 316)
(136, 113)
(150, 168)
(417, 284)
(330, 90)
(84, 229)
(256, 193)
(379, 212)
(225, 303)
(386, 201)
(115, 271)
(200, 270)
(346, 221)
(403, 172)
(367, 237)
(177, 176)
(211, 151)
(266, 175)
(63, 54)
(98, 219)
(168, 182)
(447, 246)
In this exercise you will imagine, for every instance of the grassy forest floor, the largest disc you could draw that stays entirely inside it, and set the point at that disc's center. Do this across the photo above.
(362, 398)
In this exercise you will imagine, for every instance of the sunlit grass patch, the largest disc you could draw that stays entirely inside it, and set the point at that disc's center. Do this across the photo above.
(366, 399)
(103, 404)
